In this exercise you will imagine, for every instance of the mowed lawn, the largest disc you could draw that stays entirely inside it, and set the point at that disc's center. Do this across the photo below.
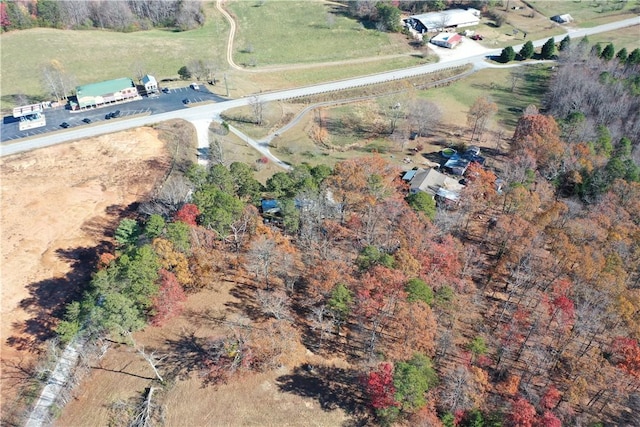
(279, 32)
(585, 12)
(290, 32)
(628, 38)
(456, 99)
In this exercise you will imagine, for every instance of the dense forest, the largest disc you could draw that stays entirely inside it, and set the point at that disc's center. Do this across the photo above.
(130, 15)
(518, 306)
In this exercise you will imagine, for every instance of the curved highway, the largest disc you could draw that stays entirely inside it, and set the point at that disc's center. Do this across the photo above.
(211, 111)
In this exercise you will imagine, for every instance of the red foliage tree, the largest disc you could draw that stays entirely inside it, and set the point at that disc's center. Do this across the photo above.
(188, 214)
(522, 414)
(627, 354)
(5, 22)
(563, 310)
(551, 398)
(167, 303)
(549, 420)
(380, 388)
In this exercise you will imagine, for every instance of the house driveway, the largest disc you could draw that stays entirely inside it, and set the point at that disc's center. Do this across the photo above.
(465, 49)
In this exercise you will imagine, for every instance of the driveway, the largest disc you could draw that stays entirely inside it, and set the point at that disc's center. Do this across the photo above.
(465, 49)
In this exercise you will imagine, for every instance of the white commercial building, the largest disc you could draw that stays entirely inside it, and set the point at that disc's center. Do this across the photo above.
(439, 21)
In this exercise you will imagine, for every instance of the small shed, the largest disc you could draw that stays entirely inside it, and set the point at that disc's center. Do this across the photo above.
(562, 19)
(150, 84)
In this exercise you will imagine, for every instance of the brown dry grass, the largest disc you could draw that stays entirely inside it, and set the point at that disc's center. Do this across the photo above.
(59, 204)
(249, 400)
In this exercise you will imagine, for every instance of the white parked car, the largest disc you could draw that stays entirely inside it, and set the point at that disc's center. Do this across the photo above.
(194, 86)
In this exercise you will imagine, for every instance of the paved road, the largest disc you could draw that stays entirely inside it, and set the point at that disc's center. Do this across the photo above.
(211, 111)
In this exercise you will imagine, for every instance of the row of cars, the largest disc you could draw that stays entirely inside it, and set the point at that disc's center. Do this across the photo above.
(87, 120)
(115, 114)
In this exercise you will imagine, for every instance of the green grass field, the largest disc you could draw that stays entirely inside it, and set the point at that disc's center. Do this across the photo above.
(456, 99)
(290, 32)
(94, 55)
(282, 32)
(585, 12)
(628, 38)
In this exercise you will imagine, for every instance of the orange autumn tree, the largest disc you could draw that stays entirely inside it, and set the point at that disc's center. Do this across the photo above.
(379, 293)
(539, 135)
(361, 182)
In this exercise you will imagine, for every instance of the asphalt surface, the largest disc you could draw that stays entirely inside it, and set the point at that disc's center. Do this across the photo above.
(174, 99)
(174, 107)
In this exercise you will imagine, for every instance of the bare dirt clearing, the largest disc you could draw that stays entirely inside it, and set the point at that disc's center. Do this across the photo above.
(57, 205)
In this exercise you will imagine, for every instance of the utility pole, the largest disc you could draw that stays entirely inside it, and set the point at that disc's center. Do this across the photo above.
(226, 85)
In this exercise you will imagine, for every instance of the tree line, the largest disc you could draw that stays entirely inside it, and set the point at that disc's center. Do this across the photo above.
(130, 15)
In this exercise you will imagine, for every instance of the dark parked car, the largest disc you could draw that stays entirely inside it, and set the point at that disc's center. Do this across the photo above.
(165, 89)
(186, 101)
(87, 120)
(64, 125)
(115, 113)
(107, 117)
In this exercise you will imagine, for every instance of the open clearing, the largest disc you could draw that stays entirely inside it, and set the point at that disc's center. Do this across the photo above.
(58, 203)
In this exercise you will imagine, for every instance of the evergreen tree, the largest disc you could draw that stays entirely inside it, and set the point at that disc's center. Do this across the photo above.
(507, 54)
(564, 43)
(389, 16)
(527, 50)
(127, 232)
(634, 57)
(596, 50)
(422, 202)
(340, 301)
(154, 227)
(608, 52)
(412, 379)
(548, 49)
(184, 73)
(418, 290)
(622, 55)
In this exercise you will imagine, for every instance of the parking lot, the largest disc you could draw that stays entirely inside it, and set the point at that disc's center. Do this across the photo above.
(59, 119)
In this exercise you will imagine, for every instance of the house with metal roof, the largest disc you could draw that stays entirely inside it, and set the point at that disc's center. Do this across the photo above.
(107, 92)
(431, 182)
(439, 21)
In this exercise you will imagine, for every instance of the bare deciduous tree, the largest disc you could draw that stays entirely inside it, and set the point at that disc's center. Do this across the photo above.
(57, 82)
(456, 389)
(139, 70)
(257, 107)
(261, 257)
(424, 116)
(274, 303)
(517, 74)
(479, 114)
(216, 153)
